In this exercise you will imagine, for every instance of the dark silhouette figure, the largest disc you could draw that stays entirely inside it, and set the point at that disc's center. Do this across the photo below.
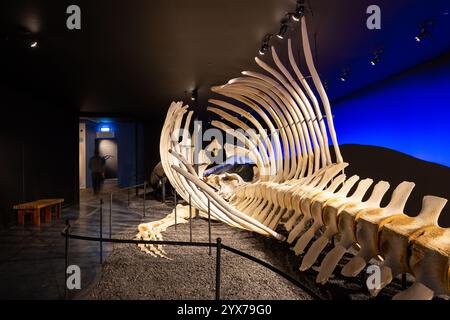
(97, 167)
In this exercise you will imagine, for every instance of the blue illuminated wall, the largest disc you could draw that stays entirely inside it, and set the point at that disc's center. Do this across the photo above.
(409, 113)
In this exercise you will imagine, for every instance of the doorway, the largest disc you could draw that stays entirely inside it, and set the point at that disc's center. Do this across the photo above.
(107, 149)
(120, 141)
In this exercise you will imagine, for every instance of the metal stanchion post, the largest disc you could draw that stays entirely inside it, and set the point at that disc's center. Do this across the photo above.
(101, 231)
(218, 258)
(163, 189)
(110, 214)
(190, 219)
(176, 202)
(404, 282)
(209, 225)
(66, 259)
(362, 278)
(145, 196)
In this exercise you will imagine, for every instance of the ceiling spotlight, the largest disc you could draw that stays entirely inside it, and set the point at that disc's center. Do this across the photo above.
(265, 44)
(375, 61)
(299, 11)
(284, 26)
(425, 28)
(344, 75)
(377, 57)
(282, 32)
(194, 95)
(423, 33)
(33, 44)
(264, 49)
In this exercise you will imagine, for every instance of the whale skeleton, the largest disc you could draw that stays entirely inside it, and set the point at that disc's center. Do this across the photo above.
(298, 186)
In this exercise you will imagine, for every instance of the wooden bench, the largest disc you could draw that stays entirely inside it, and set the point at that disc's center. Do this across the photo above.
(35, 208)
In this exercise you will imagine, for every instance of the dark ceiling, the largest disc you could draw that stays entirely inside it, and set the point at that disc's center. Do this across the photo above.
(135, 57)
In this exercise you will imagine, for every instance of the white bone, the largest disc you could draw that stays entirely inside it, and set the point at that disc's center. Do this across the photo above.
(317, 204)
(346, 227)
(367, 226)
(395, 237)
(330, 214)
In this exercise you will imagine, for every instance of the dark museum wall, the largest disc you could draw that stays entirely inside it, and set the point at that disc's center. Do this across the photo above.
(152, 133)
(38, 143)
(398, 130)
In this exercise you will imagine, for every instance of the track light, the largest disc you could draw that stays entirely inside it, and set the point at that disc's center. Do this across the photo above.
(296, 17)
(377, 57)
(375, 61)
(264, 49)
(423, 33)
(283, 30)
(34, 44)
(265, 44)
(194, 95)
(299, 11)
(344, 75)
(425, 28)
(284, 26)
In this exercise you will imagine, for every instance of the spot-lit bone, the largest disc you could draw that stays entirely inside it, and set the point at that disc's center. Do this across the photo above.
(396, 236)
(346, 227)
(306, 198)
(430, 264)
(317, 204)
(368, 223)
(330, 214)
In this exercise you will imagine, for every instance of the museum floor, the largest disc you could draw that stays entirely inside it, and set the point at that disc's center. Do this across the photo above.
(129, 273)
(32, 261)
(32, 258)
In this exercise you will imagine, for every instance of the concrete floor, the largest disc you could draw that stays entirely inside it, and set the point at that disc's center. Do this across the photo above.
(32, 258)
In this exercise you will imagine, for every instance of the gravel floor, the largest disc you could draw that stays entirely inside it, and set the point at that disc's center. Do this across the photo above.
(128, 273)
(131, 274)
